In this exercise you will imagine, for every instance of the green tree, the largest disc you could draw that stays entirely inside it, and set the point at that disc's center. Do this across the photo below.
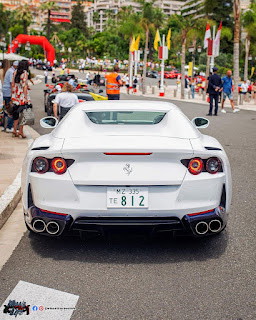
(49, 6)
(248, 20)
(78, 19)
(237, 14)
(146, 23)
(23, 14)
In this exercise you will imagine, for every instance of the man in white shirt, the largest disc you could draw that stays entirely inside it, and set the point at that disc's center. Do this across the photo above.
(65, 100)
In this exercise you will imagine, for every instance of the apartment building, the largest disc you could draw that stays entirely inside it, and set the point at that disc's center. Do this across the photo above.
(102, 8)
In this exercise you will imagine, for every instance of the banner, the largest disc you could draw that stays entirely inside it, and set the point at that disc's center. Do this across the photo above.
(252, 73)
(132, 47)
(168, 39)
(157, 39)
(190, 69)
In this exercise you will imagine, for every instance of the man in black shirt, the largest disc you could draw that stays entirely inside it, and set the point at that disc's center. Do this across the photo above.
(214, 88)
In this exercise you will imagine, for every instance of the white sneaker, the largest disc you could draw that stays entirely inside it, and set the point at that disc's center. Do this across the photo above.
(223, 111)
(2, 129)
(236, 110)
(9, 130)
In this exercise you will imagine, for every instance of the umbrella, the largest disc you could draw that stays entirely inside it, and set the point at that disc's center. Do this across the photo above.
(12, 56)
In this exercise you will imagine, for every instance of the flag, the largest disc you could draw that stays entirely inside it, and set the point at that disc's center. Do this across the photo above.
(168, 39)
(132, 47)
(216, 42)
(190, 69)
(207, 35)
(137, 43)
(157, 39)
(252, 72)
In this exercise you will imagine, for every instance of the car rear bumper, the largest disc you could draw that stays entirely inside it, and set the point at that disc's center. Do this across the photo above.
(36, 217)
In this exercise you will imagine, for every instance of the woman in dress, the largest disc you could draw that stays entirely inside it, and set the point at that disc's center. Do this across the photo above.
(20, 96)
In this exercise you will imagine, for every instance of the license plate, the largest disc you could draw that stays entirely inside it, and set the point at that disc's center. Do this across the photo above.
(127, 197)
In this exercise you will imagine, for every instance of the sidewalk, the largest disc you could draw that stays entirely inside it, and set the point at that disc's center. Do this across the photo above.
(169, 94)
(12, 153)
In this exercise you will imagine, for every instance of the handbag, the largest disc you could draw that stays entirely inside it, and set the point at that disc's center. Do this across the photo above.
(27, 116)
(8, 109)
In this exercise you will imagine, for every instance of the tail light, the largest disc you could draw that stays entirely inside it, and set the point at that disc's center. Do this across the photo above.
(213, 165)
(59, 166)
(41, 165)
(195, 166)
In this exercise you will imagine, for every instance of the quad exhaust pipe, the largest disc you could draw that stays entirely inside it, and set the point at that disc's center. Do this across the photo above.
(215, 225)
(203, 227)
(52, 227)
(39, 225)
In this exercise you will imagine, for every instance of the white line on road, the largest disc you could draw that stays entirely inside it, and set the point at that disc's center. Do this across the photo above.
(45, 303)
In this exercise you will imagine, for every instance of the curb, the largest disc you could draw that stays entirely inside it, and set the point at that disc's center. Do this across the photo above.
(12, 195)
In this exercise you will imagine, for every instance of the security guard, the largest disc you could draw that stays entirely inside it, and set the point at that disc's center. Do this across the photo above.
(114, 83)
(214, 88)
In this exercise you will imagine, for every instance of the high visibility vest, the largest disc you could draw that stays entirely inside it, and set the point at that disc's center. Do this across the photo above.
(112, 84)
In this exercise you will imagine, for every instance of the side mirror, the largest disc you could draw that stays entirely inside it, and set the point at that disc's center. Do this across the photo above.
(200, 123)
(49, 122)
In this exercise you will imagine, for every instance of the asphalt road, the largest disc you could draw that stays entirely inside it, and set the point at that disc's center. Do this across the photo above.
(128, 276)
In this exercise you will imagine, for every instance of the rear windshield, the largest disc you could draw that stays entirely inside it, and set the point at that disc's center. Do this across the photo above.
(126, 117)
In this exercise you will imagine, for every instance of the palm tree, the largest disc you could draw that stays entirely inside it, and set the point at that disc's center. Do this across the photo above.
(23, 14)
(147, 22)
(237, 13)
(48, 6)
(249, 23)
(129, 26)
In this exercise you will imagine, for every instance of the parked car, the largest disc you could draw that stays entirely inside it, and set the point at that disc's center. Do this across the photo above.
(42, 66)
(120, 165)
(152, 74)
(64, 77)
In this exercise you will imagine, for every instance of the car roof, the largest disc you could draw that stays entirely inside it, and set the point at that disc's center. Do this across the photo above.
(128, 105)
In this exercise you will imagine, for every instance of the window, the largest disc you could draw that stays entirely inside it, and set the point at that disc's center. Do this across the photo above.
(126, 117)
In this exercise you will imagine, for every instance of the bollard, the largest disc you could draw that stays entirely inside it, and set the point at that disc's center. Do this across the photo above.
(200, 92)
(204, 96)
(174, 93)
(153, 90)
(189, 94)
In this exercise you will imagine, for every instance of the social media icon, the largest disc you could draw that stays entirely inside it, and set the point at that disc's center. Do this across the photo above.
(35, 308)
(41, 308)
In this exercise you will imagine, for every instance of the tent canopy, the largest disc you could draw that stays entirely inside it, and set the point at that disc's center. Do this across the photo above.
(12, 57)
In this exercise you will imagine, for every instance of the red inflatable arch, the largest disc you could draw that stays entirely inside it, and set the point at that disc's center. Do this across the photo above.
(39, 40)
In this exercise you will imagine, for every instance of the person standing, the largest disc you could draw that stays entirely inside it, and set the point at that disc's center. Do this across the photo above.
(227, 91)
(65, 100)
(7, 92)
(253, 91)
(20, 96)
(114, 83)
(45, 76)
(214, 87)
(192, 85)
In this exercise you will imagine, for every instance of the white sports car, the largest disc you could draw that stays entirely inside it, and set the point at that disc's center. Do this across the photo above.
(126, 163)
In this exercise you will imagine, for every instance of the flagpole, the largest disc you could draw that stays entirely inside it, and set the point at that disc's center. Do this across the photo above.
(213, 38)
(131, 69)
(135, 62)
(161, 91)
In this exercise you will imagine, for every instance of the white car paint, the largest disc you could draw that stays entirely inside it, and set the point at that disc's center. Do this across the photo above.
(82, 190)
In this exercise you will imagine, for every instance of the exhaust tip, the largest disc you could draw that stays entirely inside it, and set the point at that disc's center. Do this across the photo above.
(39, 225)
(201, 227)
(52, 227)
(215, 225)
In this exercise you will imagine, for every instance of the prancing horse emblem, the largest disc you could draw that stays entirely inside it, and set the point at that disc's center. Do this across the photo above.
(127, 169)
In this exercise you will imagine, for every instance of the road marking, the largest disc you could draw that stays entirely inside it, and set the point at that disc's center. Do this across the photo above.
(40, 299)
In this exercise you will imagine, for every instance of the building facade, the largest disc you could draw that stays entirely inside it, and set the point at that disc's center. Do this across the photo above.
(99, 11)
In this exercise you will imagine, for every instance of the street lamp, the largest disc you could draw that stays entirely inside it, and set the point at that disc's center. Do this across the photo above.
(27, 46)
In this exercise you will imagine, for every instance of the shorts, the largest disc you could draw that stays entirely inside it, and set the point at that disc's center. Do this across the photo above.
(127, 85)
(229, 95)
